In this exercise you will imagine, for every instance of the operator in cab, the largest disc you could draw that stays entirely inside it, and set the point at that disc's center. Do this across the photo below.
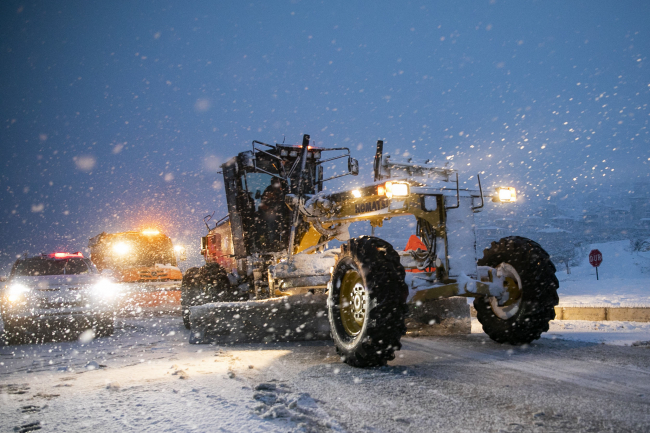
(271, 212)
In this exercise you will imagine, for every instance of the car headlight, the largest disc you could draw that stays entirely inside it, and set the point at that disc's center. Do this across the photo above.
(16, 292)
(106, 289)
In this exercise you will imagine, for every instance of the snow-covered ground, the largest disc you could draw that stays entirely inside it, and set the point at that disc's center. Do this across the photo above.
(147, 378)
(624, 279)
(608, 332)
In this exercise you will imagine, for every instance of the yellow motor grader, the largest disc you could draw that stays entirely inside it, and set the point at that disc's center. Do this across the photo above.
(269, 275)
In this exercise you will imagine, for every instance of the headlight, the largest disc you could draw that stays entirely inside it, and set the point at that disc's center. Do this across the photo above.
(121, 248)
(506, 194)
(16, 292)
(396, 189)
(106, 289)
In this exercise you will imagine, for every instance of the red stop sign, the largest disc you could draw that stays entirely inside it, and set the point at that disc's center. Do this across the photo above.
(595, 258)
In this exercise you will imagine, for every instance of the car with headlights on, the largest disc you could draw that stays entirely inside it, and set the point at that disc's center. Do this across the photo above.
(51, 295)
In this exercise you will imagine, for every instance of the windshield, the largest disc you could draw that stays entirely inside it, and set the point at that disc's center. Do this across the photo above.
(45, 266)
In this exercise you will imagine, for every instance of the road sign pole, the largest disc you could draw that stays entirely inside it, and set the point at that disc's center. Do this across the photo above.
(595, 259)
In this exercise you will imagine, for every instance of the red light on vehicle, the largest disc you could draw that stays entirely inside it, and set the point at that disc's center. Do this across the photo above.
(66, 255)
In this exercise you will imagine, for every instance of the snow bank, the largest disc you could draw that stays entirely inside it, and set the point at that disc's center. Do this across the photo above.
(624, 279)
(610, 332)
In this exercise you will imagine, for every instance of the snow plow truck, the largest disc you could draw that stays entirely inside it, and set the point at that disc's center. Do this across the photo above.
(145, 264)
(269, 276)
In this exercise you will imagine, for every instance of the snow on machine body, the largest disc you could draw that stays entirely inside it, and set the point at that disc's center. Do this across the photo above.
(145, 263)
(269, 277)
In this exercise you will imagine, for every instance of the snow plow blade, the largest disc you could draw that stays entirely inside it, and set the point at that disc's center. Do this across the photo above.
(448, 316)
(303, 317)
(290, 318)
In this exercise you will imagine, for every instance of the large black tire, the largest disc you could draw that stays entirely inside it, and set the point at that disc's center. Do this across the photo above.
(367, 302)
(191, 293)
(203, 285)
(216, 284)
(525, 319)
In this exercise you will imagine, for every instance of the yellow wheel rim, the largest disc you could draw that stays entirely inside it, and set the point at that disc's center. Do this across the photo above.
(512, 283)
(514, 292)
(353, 303)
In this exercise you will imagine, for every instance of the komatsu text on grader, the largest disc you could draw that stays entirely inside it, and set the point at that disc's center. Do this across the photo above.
(272, 247)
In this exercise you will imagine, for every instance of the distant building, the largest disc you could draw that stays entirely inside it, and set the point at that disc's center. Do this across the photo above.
(489, 233)
(533, 221)
(591, 218)
(510, 224)
(564, 222)
(618, 217)
(640, 202)
(645, 223)
(549, 211)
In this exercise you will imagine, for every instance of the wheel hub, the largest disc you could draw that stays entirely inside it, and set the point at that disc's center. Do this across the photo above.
(514, 293)
(512, 283)
(358, 296)
(353, 301)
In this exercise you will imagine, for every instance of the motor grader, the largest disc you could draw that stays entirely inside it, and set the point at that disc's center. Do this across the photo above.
(272, 246)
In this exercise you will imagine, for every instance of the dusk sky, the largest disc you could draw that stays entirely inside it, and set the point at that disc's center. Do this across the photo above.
(117, 115)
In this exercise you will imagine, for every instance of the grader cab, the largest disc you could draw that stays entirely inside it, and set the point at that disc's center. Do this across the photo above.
(271, 248)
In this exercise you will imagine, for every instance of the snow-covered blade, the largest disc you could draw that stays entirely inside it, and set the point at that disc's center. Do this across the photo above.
(291, 318)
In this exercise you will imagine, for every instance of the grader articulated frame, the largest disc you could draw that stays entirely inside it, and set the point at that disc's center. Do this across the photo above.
(280, 288)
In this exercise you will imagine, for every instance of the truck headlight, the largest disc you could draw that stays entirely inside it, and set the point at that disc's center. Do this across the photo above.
(121, 248)
(394, 189)
(506, 194)
(16, 292)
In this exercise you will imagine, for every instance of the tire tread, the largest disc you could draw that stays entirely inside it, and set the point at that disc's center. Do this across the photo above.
(540, 297)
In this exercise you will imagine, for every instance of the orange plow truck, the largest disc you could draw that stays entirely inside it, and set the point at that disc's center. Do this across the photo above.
(145, 263)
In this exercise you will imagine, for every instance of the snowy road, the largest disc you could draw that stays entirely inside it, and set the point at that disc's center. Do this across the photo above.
(147, 378)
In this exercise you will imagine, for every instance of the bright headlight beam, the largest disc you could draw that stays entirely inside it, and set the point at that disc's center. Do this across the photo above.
(16, 292)
(507, 194)
(356, 193)
(121, 248)
(106, 289)
(394, 189)
(400, 189)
